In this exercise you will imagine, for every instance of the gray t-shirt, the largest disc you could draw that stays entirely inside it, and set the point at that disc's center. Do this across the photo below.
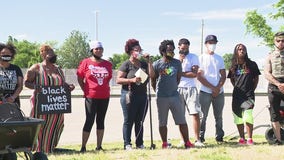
(166, 73)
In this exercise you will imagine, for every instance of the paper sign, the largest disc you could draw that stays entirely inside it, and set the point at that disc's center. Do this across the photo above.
(140, 73)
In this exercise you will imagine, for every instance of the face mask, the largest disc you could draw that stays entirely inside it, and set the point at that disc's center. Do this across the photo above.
(170, 56)
(184, 52)
(6, 58)
(52, 59)
(211, 47)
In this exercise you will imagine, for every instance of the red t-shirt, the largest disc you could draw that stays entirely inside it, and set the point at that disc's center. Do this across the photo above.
(96, 77)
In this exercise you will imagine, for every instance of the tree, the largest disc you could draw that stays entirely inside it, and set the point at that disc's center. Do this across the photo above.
(74, 49)
(27, 52)
(228, 60)
(256, 23)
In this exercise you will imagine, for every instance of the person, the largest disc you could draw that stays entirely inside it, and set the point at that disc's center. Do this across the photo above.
(11, 82)
(165, 79)
(187, 86)
(274, 73)
(212, 76)
(11, 76)
(94, 75)
(243, 74)
(46, 73)
(133, 93)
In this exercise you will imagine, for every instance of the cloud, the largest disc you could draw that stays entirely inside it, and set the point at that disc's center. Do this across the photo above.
(221, 14)
(21, 36)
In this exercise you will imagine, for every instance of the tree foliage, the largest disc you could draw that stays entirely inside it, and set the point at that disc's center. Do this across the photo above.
(227, 60)
(256, 24)
(74, 49)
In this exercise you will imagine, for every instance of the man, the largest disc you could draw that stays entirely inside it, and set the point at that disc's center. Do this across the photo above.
(274, 73)
(187, 86)
(165, 79)
(212, 76)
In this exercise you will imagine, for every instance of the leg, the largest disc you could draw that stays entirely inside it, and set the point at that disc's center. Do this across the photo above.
(100, 120)
(142, 105)
(183, 128)
(196, 126)
(126, 120)
(276, 128)
(218, 105)
(241, 130)
(163, 133)
(90, 111)
(205, 101)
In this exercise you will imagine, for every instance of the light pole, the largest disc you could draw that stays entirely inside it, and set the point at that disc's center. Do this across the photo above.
(97, 25)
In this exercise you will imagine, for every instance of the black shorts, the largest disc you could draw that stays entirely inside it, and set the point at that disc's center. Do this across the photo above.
(275, 97)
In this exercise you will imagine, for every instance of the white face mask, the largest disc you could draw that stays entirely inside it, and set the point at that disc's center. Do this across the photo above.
(211, 47)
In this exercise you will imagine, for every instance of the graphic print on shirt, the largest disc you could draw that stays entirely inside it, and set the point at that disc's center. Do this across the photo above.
(241, 71)
(99, 73)
(8, 79)
(168, 71)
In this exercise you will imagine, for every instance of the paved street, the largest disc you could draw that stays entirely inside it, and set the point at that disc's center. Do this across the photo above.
(114, 119)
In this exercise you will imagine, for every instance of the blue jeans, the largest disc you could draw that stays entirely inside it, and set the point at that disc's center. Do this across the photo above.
(133, 113)
(205, 100)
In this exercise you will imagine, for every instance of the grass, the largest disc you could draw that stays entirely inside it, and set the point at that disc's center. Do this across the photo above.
(213, 151)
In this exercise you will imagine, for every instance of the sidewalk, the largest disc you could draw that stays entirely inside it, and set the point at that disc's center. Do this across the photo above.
(114, 119)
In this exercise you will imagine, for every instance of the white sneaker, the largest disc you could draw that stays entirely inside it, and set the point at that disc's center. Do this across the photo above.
(198, 144)
(128, 147)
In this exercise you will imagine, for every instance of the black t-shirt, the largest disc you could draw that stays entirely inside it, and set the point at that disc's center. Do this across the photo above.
(244, 84)
(130, 71)
(9, 79)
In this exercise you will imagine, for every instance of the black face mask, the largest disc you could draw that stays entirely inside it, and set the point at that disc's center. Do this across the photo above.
(183, 52)
(6, 58)
(52, 59)
(96, 57)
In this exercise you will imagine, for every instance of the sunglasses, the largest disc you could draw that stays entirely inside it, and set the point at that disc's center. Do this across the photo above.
(282, 40)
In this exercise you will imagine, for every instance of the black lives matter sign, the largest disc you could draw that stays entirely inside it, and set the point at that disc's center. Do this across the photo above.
(54, 99)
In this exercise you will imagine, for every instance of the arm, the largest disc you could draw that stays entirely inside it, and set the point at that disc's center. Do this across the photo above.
(255, 82)
(81, 82)
(122, 80)
(17, 91)
(29, 79)
(268, 75)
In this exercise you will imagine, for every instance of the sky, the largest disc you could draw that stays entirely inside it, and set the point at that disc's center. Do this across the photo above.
(113, 22)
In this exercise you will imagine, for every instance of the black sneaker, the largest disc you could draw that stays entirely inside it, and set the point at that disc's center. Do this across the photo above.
(202, 139)
(220, 141)
(99, 148)
(83, 149)
(277, 142)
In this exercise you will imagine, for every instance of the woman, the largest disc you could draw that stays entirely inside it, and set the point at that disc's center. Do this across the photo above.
(11, 82)
(133, 94)
(243, 74)
(94, 74)
(46, 73)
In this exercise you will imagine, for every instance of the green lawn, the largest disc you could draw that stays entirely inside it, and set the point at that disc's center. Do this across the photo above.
(227, 151)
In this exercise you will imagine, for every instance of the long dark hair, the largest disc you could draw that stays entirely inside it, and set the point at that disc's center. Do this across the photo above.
(235, 63)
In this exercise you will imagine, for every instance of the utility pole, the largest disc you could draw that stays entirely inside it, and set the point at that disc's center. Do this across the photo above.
(202, 26)
(97, 25)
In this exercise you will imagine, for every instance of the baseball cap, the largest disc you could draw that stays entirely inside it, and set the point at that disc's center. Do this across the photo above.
(95, 44)
(211, 38)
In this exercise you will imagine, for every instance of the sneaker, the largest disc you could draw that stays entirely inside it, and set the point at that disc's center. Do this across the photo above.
(277, 142)
(99, 148)
(83, 149)
(128, 147)
(202, 139)
(198, 143)
(220, 141)
(140, 147)
(188, 145)
(166, 145)
(242, 141)
(250, 141)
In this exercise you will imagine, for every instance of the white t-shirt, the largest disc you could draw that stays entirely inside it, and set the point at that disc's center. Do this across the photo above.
(211, 66)
(190, 60)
